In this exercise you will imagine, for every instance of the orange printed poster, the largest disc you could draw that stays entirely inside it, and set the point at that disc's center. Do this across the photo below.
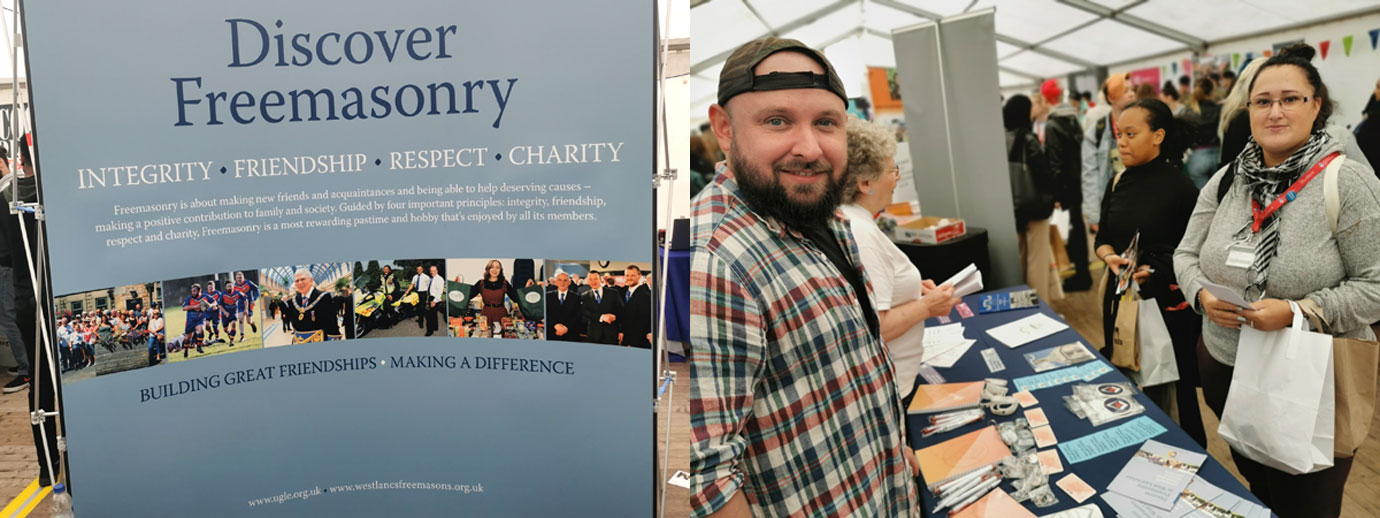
(931, 399)
(886, 93)
(996, 504)
(961, 455)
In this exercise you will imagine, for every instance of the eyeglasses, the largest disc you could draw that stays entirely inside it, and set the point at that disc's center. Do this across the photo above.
(895, 171)
(1287, 103)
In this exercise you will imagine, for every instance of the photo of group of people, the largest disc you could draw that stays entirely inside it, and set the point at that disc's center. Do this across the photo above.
(109, 330)
(141, 325)
(211, 314)
(599, 302)
(391, 295)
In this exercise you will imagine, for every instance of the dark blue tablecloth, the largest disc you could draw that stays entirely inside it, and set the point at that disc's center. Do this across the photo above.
(677, 295)
(1097, 472)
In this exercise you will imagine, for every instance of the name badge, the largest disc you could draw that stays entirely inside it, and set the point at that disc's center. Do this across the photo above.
(1240, 255)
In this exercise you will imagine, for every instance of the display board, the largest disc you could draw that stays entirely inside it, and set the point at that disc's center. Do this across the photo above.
(350, 222)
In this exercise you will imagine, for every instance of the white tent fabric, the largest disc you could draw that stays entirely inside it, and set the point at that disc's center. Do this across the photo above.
(1036, 38)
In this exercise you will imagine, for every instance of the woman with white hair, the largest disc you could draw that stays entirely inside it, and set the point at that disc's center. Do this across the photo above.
(903, 300)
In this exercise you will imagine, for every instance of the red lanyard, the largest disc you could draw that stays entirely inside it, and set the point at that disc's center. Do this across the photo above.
(1289, 195)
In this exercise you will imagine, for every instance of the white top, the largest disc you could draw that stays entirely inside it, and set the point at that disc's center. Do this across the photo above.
(437, 289)
(894, 281)
(422, 283)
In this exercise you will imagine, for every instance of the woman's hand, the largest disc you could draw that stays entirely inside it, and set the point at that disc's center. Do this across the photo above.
(1224, 314)
(1269, 315)
(940, 301)
(1142, 273)
(1116, 262)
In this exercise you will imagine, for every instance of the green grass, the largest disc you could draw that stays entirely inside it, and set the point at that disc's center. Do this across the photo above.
(175, 319)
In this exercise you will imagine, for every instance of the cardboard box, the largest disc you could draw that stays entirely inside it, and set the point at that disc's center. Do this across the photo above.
(924, 230)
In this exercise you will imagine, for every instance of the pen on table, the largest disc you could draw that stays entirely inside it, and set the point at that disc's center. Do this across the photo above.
(958, 494)
(977, 494)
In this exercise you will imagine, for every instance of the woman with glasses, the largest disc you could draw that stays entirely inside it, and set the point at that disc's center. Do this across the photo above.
(1267, 236)
(1153, 199)
(903, 300)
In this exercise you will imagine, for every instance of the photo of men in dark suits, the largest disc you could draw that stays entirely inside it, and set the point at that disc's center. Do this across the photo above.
(564, 318)
(635, 322)
(601, 306)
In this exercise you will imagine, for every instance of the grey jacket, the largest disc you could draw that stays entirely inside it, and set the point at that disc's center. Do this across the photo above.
(1341, 274)
(1097, 165)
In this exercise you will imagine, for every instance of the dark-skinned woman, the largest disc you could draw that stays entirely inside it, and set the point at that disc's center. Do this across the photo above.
(1154, 198)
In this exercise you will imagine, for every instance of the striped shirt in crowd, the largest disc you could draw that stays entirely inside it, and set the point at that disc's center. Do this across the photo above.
(792, 399)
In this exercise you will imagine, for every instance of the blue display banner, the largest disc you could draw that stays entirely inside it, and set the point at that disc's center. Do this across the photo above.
(330, 240)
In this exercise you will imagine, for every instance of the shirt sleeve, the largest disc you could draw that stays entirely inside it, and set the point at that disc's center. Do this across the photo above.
(880, 271)
(727, 340)
(1092, 191)
(1186, 270)
(438, 288)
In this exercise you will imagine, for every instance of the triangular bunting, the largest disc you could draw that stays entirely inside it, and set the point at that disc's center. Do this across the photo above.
(1346, 44)
(1175, 68)
(1250, 56)
(1323, 46)
(1374, 33)
(1236, 61)
(1268, 53)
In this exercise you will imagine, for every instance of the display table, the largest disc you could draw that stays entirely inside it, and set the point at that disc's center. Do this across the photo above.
(945, 259)
(1097, 472)
(677, 294)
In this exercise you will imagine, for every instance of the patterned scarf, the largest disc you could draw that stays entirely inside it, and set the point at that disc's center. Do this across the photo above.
(1265, 184)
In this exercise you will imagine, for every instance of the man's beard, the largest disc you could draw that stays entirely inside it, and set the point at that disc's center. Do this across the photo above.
(764, 193)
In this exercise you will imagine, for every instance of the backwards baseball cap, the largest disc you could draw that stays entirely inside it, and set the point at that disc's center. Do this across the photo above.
(1050, 90)
(738, 74)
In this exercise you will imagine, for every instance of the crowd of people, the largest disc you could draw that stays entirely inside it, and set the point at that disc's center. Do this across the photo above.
(807, 322)
(80, 333)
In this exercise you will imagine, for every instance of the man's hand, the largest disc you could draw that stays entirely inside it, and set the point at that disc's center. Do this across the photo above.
(608, 318)
(561, 329)
(1093, 228)
(1221, 313)
(1269, 315)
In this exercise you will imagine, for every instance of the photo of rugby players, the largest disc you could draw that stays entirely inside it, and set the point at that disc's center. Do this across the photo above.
(211, 314)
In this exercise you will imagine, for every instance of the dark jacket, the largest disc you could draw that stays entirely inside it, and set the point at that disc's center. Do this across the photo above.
(1023, 147)
(636, 319)
(1063, 149)
(1208, 113)
(567, 314)
(611, 302)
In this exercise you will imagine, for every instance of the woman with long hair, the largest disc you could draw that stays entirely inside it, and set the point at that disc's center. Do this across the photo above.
(492, 288)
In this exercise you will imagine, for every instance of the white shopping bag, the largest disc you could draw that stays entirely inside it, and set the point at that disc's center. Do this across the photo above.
(1157, 363)
(1281, 407)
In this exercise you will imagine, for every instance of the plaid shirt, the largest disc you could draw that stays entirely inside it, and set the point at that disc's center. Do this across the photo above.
(791, 399)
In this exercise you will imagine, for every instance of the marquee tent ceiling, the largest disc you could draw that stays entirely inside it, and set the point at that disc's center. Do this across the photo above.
(1035, 38)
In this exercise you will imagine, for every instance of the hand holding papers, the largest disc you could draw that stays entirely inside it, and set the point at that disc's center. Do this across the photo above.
(966, 282)
(1132, 256)
(1226, 294)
